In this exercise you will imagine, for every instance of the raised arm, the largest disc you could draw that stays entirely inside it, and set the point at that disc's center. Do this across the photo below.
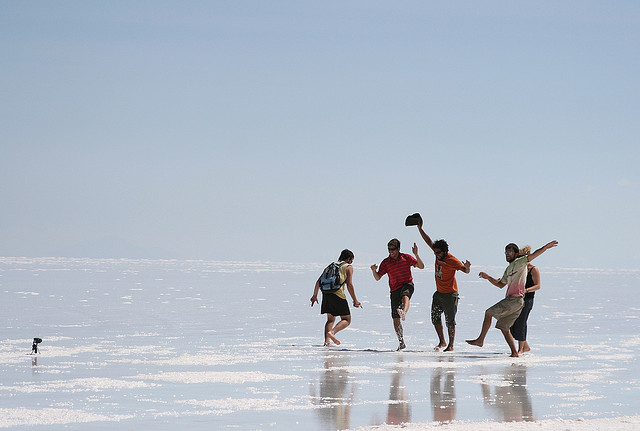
(376, 274)
(424, 235)
(542, 249)
(466, 267)
(420, 263)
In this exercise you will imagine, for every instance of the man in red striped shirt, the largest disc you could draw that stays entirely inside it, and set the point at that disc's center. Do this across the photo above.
(398, 267)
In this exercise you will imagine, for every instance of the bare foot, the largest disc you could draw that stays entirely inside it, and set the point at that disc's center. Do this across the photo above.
(523, 348)
(333, 338)
(475, 342)
(401, 346)
(448, 349)
(402, 313)
(514, 355)
(440, 346)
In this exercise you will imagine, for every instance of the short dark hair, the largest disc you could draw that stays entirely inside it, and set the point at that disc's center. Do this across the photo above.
(346, 255)
(513, 247)
(395, 242)
(442, 246)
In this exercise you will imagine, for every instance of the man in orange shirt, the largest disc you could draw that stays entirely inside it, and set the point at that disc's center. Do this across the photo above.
(445, 298)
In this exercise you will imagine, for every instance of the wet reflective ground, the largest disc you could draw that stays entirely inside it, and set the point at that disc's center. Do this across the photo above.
(215, 345)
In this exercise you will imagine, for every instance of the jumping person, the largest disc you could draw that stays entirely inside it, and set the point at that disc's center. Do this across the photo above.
(335, 303)
(445, 298)
(398, 267)
(507, 310)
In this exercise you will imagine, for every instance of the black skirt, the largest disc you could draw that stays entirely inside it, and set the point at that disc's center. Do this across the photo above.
(334, 305)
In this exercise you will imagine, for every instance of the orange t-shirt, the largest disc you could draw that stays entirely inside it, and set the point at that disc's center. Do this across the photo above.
(446, 274)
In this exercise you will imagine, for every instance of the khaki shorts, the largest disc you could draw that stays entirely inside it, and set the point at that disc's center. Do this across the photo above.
(506, 311)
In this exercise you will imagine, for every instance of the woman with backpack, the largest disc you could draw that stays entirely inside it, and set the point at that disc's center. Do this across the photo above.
(332, 283)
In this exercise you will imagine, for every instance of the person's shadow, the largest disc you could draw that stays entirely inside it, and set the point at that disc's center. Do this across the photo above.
(443, 393)
(510, 398)
(399, 410)
(334, 392)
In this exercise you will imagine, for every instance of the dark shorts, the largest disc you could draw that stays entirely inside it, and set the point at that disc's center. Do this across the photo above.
(396, 298)
(446, 303)
(334, 305)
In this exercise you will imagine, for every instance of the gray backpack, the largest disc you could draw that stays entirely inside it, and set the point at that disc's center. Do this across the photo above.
(330, 278)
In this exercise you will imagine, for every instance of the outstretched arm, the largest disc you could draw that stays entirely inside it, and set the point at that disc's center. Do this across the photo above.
(424, 235)
(542, 249)
(496, 282)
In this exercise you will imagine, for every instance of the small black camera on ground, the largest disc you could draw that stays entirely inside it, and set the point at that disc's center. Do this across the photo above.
(34, 346)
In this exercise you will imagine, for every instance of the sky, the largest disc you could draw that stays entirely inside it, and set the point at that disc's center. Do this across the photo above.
(288, 131)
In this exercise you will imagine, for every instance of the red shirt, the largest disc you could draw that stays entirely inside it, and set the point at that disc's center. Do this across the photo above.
(446, 274)
(399, 270)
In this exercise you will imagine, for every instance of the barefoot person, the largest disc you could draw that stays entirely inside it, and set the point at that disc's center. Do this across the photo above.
(519, 328)
(398, 267)
(445, 298)
(507, 310)
(335, 303)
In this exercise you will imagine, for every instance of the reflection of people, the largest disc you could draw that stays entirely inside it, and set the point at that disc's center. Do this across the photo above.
(335, 303)
(398, 266)
(445, 298)
(507, 310)
(443, 394)
(519, 328)
(511, 400)
(399, 410)
(335, 393)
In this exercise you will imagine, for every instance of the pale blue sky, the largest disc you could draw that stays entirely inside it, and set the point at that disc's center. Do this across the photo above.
(286, 131)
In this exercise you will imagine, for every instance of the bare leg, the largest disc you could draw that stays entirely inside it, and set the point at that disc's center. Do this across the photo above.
(328, 326)
(441, 342)
(452, 336)
(511, 342)
(397, 325)
(405, 307)
(343, 323)
(486, 324)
